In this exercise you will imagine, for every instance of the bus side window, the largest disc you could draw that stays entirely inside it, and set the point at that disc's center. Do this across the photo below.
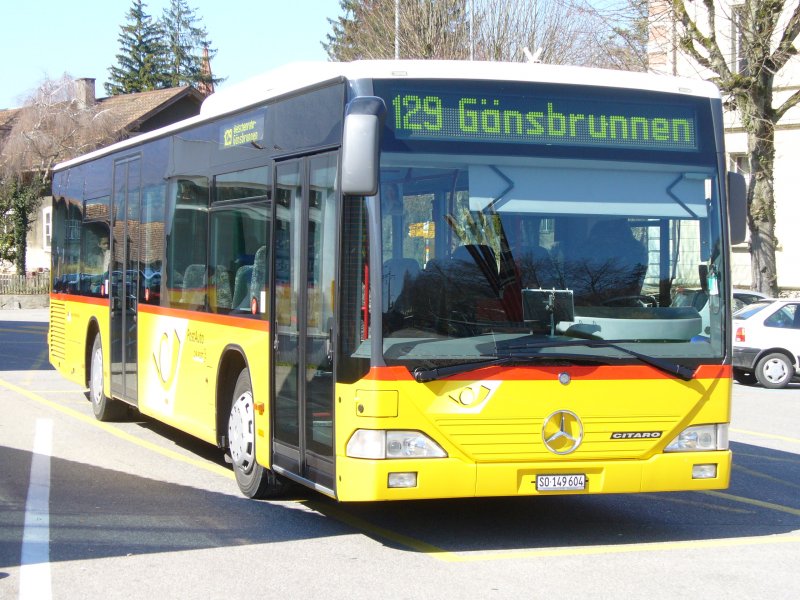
(187, 230)
(239, 242)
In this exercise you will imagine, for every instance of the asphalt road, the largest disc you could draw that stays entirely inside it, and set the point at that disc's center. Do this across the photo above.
(136, 510)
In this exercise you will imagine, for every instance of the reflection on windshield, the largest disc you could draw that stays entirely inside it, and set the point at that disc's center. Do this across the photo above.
(532, 248)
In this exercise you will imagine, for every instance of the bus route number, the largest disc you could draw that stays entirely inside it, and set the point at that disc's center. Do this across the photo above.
(417, 113)
(560, 483)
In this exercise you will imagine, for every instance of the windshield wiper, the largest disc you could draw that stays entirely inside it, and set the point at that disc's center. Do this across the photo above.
(426, 375)
(667, 366)
(678, 370)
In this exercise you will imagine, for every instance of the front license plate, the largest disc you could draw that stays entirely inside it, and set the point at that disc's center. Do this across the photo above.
(559, 483)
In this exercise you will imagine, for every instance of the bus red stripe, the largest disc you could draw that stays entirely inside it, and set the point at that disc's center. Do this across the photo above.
(599, 373)
(203, 317)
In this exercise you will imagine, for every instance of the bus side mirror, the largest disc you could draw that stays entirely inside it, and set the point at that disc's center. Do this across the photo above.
(737, 207)
(363, 123)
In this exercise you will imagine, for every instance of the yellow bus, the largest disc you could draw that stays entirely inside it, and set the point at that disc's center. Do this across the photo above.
(402, 280)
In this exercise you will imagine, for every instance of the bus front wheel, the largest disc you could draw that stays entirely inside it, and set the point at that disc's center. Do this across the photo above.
(254, 480)
(104, 408)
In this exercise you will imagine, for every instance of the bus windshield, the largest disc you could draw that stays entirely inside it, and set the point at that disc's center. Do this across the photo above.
(485, 253)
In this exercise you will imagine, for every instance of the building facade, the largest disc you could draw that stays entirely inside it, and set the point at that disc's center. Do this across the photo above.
(665, 56)
(128, 115)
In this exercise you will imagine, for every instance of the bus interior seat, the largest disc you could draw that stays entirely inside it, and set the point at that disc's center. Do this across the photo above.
(194, 285)
(222, 284)
(395, 273)
(241, 288)
(479, 254)
(258, 278)
(475, 264)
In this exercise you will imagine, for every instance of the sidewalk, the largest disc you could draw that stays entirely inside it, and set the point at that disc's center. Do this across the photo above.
(30, 315)
(23, 301)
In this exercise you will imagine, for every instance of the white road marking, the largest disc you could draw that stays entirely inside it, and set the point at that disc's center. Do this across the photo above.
(34, 573)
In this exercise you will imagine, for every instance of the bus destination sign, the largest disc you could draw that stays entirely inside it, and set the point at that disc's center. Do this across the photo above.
(541, 119)
(246, 129)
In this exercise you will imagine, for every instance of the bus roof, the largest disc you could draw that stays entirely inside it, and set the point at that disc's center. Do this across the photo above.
(297, 76)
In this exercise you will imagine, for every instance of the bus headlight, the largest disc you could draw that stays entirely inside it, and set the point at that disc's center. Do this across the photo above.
(699, 438)
(379, 444)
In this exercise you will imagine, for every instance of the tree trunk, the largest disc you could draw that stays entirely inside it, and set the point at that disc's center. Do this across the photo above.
(761, 207)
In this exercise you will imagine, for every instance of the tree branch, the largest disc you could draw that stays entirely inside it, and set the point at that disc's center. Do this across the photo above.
(786, 48)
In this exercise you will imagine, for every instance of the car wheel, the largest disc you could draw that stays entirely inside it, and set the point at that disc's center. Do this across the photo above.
(774, 371)
(744, 377)
(253, 480)
(104, 408)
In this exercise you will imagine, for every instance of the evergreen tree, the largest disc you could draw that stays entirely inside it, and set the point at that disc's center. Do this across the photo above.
(185, 40)
(18, 201)
(140, 64)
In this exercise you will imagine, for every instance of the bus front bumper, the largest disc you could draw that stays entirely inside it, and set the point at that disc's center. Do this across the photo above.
(367, 480)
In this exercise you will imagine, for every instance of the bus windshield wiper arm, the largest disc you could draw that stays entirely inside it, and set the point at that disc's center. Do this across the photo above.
(426, 375)
(679, 370)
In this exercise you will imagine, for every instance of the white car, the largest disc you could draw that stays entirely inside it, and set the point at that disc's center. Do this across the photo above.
(766, 343)
(698, 299)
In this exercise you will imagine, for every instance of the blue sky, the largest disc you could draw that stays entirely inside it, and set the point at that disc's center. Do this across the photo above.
(47, 38)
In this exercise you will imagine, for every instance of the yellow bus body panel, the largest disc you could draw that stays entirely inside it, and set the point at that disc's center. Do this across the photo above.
(492, 432)
(490, 428)
(67, 336)
(179, 355)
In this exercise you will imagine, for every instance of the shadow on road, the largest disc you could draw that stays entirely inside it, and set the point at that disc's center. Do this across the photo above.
(97, 513)
(23, 346)
(763, 499)
(115, 514)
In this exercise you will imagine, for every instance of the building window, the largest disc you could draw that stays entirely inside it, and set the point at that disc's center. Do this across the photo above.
(47, 229)
(739, 163)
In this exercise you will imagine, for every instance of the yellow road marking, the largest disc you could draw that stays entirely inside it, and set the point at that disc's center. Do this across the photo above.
(761, 475)
(754, 502)
(767, 435)
(216, 469)
(454, 557)
(630, 548)
(435, 551)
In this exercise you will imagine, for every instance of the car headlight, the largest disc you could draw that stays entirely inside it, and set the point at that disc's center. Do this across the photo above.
(379, 444)
(700, 438)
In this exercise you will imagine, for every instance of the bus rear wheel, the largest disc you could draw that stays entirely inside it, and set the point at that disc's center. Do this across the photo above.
(104, 408)
(253, 480)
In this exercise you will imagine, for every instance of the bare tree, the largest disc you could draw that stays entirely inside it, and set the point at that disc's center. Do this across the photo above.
(56, 123)
(566, 31)
(558, 32)
(744, 48)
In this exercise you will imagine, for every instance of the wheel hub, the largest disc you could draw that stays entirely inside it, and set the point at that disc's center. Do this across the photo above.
(775, 371)
(241, 432)
(97, 376)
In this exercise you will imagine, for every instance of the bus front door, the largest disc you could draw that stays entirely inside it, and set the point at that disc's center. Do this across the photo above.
(304, 255)
(124, 277)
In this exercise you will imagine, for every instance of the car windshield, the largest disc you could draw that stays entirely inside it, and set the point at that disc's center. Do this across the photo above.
(751, 309)
(480, 253)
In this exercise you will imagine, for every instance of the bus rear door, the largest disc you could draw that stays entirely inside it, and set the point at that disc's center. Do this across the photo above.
(124, 277)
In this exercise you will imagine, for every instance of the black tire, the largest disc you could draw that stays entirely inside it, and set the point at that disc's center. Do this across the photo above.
(744, 377)
(253, 480)
(104, 408)
(774, 371)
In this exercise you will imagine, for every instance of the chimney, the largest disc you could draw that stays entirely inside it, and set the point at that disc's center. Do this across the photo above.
(84, 92)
